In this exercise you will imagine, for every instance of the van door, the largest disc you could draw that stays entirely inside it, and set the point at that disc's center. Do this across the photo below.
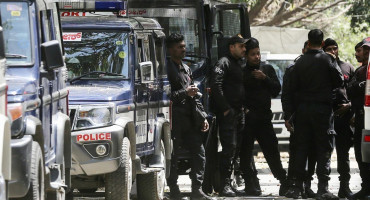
(144, 79)
(228, 20)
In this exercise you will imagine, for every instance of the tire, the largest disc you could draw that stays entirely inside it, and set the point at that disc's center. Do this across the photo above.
(151, 186)
(118, 184)
(37, 175)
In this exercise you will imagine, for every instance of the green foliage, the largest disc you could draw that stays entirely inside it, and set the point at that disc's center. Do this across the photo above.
(341, 31)
(360, 14)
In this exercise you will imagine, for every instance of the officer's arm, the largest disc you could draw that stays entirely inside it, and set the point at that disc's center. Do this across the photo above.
(217, 79)
(335, 73)
(355, 86)
(272, 81)
(286, 101)
(177, 94)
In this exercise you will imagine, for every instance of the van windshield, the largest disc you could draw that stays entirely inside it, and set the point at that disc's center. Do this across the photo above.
(92, 51)
(17, 32)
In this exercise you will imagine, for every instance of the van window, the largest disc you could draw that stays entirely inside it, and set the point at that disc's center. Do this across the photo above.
(15, 20)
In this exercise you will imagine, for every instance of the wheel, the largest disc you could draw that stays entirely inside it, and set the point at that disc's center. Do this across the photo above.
(118, 184)
(37, 187)
(151, 186)
(92, 190)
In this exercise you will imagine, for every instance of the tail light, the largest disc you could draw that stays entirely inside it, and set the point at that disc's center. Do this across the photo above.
(367, 138)
(367, 89)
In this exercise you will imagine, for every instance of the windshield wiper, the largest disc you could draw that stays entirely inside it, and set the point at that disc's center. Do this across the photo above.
(94, 72)
(12, 55)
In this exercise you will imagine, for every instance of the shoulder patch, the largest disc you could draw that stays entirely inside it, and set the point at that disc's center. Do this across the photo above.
(219, 71)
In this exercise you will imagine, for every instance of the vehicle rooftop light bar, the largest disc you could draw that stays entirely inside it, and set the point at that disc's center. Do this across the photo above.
(92, 5)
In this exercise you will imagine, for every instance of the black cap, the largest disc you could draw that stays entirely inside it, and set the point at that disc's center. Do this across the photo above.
(237, 39)
(329, 42)
(366, 42)
(252, 43)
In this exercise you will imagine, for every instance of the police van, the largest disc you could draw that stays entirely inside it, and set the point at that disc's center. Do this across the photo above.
(5, 150)
(118, 101)
(37, 100)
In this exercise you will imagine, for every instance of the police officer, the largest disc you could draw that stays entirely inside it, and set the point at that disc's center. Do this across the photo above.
(342, 117)
(356, 91)
(313, 79)
(260, 83)
(186, 132)
(288, 117)
(227, 93)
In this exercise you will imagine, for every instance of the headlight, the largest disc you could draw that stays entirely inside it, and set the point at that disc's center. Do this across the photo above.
(16, 114)
(93, 116)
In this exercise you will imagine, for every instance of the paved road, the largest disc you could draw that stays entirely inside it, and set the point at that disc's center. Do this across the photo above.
(269, 185)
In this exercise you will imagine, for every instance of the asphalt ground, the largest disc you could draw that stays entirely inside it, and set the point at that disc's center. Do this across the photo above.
(269, 185)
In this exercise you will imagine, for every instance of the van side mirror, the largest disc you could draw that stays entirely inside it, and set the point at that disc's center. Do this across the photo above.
(147, 72)
(51, 54)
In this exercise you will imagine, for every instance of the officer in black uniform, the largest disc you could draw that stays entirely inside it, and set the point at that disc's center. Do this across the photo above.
(186, 132)
(288, 117)
(342, 118)
(356, 92)
(313, 79)
(260, 83)
(227, 93)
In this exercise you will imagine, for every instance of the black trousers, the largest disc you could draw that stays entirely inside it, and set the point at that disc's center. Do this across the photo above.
(343, 142)
(229, 128)
(364, 167)
(311, 161)
(185, 134)
(314, 130)
(262, 131)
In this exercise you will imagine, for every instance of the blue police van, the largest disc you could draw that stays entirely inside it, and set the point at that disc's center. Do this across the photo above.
(118, 101)
(37, 100)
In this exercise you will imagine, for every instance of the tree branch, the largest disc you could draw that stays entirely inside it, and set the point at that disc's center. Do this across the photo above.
(256, 9)
(299, 19)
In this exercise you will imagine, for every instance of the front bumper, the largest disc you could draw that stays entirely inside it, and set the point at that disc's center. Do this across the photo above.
(21, 165)
(85, 162)
(365, 146)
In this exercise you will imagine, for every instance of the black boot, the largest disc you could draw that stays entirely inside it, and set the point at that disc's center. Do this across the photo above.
(308, 191)
(198, 194)
(252, 186)
(344, 191)
(290, 190)
(175, 193)
(284, 187)
(226, 190)
(323, 192)
(297, 191)
(362, 194)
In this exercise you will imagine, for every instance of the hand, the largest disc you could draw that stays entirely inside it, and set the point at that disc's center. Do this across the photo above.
(289, 126)
(258, 74)
(343, 108)
(205, 126)
(226, 112)
(191, 90)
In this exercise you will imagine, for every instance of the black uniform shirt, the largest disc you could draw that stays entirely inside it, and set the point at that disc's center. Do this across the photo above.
(356, 88)
(258, 93)
(227, 89)
(341, 92)
(314, 76)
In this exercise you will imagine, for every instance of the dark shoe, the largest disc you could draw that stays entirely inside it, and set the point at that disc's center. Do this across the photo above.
(198, 194)
(362, 194)
(326, 196)
(297, 193)
(227, 191)
(175, 193)
(344, 191)
(284, 187)
(252, 187)
(310, 193)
